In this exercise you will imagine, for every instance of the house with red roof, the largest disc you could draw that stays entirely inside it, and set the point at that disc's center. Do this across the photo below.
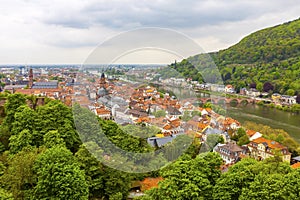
(262, 148)
(253, 134)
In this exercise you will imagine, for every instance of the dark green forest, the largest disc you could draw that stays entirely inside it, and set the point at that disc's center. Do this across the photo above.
(42, 156)
(271, 55)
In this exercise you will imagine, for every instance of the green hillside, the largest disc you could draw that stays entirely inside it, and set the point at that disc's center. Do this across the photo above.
(269, 55)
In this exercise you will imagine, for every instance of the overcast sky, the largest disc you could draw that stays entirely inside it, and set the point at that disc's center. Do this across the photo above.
(67, 31)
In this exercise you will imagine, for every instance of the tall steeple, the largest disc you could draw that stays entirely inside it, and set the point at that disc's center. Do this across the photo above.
(30, 84)
(102, 83)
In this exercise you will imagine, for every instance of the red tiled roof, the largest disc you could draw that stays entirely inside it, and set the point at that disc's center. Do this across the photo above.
(272, 144)
(250, 133)
(296, 165)
(143, 119)
(149, 183)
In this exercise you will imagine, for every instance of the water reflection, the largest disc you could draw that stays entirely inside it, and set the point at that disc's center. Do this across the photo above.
(290, 122)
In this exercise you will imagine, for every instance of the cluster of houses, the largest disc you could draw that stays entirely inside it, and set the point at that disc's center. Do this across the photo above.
(127, 103)
(283, 99)
(145, 102)
(41, 84)
(259, 148)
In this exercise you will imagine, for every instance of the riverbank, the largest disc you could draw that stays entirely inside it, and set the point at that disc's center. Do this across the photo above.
(295, 108)
(277, 119)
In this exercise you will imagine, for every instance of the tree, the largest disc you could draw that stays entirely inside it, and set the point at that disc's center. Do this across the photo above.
(186, 116)
(4, 137)
(140, 130)
(290, 92)
(159, 113)
(57, 116)
(59, 176)
(267, 87)
(227, 76)
(292, 183)
(25, 118)
(259, 86)
(116, 183)
(230, 184)
(53, 138)
(233, 70)
(14, 101)
(188, 178)
(239, 133)
(19, 177)
(18, 142)
(298, 99)
(251, 179)
(252, 85)
(265, 187)
(94, 172)
(243, 140)
(4, 194)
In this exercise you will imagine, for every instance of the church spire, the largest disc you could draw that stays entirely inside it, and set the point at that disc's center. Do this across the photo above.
(30, 84)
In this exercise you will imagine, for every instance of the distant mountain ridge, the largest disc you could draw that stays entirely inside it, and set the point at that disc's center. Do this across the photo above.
(268, 55)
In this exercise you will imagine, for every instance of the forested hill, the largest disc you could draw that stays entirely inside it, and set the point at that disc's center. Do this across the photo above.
(268, 45)
(271, 54)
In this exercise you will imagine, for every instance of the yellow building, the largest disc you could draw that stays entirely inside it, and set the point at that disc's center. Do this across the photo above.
(262, 148)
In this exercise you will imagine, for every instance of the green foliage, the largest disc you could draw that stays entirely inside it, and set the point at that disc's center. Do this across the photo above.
(93, 172)
(186, 116)
(177, 147)
(244, 176)
(271, 54)
(19, 177)
(208, 105)
(103, 182)
(240, 136)
(4, 137)
(141, 131)
(14, 101)
(59, 176)
(53, 138)
(212, 140)
(57, 116)
(290, 92)
(188, 179)
(159, 113)
(5, 195)
(51, 171)
(18, 142)
(29, 126)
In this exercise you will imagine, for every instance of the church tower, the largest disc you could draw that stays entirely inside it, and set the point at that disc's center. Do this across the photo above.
(102, 83)
(30, 84)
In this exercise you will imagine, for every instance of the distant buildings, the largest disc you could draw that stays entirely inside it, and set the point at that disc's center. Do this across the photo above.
(229, 89)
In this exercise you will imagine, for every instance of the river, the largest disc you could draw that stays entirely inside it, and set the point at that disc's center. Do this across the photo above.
(290, 122)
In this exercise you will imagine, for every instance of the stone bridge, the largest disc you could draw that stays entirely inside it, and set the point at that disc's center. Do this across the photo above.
(222, 100)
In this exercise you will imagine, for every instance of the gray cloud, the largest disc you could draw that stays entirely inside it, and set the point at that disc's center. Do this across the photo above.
(168, 13)
(75, 24)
